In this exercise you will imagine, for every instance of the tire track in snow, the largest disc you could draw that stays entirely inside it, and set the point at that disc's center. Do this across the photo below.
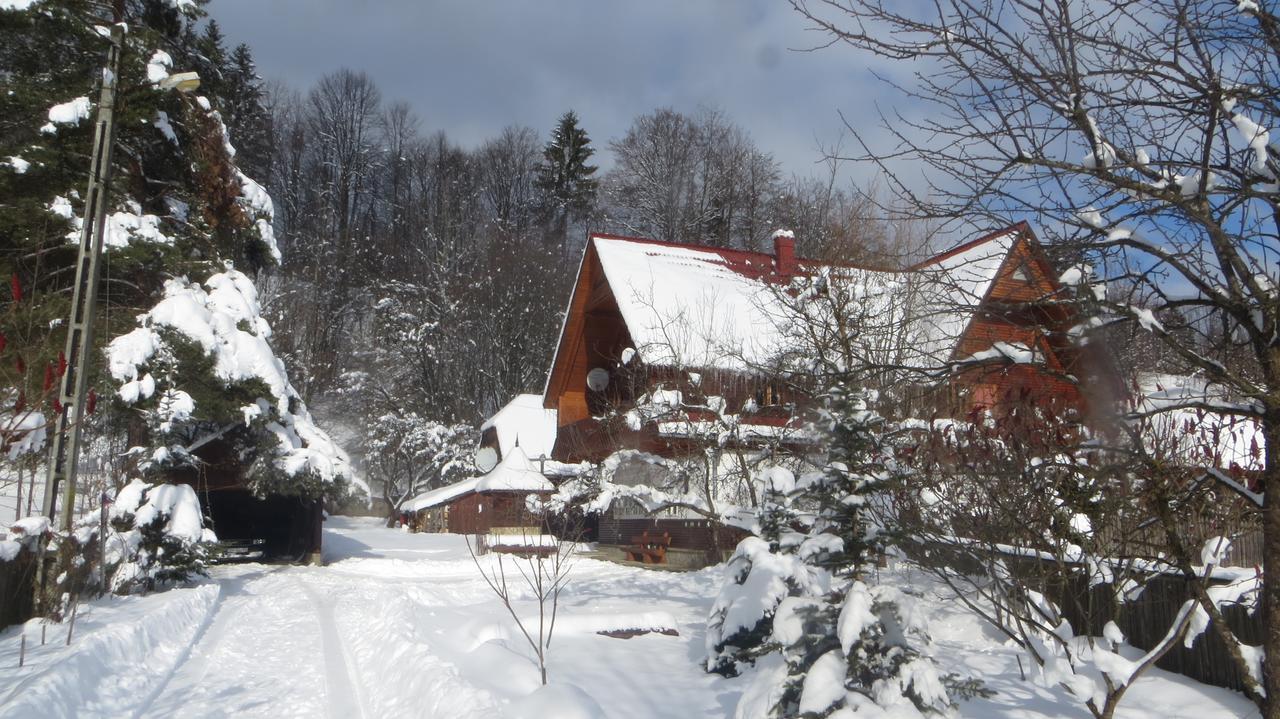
(224, 613)
(181, 660)
(342, 687)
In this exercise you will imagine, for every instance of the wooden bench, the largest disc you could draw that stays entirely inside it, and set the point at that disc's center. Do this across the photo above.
(649, 549)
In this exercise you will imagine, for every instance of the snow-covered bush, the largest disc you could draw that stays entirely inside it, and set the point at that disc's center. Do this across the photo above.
(764, 570)
(155, 536)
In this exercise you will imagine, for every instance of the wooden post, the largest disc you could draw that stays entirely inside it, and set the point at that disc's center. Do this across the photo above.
(71, 627)
(317, 535)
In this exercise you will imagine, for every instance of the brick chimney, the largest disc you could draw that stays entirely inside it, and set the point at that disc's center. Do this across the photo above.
(784, 253)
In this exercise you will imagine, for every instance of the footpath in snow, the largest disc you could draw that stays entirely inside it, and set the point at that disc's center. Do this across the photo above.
(402, 625)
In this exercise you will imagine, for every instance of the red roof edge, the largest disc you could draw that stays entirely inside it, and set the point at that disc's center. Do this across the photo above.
(1022, 228)
(735, 251)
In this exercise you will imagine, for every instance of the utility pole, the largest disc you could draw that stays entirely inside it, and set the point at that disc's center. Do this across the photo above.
(74, 384)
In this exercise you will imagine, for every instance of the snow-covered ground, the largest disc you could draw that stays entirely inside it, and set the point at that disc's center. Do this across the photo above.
(402, 625)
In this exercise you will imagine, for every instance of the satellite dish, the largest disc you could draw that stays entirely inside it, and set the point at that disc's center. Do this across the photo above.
(598, 379)
(486, 458)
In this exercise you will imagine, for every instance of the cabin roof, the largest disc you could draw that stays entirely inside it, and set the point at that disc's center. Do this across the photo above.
(709, 307)
(515, 473)
(523, 422)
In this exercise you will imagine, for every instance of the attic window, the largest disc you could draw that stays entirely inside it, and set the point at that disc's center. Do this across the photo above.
(770, 395)
(1022, 273)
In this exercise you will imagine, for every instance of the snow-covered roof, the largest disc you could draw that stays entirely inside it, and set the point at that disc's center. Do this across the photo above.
(441, 495)
(525, 423)
(949, 288)
(515, 473)
(688, 307)
(695, 306)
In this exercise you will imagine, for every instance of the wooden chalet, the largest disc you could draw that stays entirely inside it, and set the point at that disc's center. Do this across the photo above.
(514, 461)
(493, 503)
(651, 321)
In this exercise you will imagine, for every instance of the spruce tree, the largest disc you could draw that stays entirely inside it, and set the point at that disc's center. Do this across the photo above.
(246, 117)
(182, 216)
(851, 647)
(564, 177)
(764, 570)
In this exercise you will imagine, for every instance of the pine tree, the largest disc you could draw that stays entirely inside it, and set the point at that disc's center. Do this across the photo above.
(852, 646)
(209, 58)
(245, 115)
(181, 211)
(764, 570)
(564, 177)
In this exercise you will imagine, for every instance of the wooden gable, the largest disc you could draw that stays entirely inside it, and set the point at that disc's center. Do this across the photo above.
(594, 335)
(1024, 278)
(1018, 309)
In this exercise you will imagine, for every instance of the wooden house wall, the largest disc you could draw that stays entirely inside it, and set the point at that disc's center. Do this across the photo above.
(483, 512)
(1010, 315)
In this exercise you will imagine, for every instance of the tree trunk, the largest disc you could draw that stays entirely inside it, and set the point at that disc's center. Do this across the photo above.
(1271, 564)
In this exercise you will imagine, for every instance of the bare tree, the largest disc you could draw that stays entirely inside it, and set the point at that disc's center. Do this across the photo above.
(1137, 134)
(696, 178)
(543, 564)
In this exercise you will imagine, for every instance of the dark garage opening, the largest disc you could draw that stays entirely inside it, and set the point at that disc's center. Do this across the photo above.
(289, 526)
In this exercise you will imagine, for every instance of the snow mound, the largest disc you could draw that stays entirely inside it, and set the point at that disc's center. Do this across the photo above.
(70, 112)
(148, 635)
(562, 701)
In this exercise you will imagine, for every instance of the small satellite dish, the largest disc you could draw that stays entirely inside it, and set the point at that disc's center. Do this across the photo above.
(598, 379)
(486, 458)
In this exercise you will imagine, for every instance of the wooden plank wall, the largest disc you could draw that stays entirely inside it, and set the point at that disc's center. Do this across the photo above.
(1147, 619)
(481, 513)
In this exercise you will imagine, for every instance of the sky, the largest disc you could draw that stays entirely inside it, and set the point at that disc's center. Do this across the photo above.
(472, 67)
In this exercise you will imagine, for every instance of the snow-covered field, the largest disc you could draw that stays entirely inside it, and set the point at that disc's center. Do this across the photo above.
(402, 625)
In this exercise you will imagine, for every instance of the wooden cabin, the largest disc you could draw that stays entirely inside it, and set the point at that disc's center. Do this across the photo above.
(652, 322)
(706, 312)
(493, 503)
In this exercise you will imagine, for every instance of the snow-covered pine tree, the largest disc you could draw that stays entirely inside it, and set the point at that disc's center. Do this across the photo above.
(859, 644)
(155, 536)
(764, 570)
(184, 226)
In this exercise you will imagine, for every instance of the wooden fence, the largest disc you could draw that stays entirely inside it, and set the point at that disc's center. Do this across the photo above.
(1146, 619)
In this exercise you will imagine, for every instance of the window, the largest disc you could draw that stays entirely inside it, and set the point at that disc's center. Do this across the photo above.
(770, 395)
